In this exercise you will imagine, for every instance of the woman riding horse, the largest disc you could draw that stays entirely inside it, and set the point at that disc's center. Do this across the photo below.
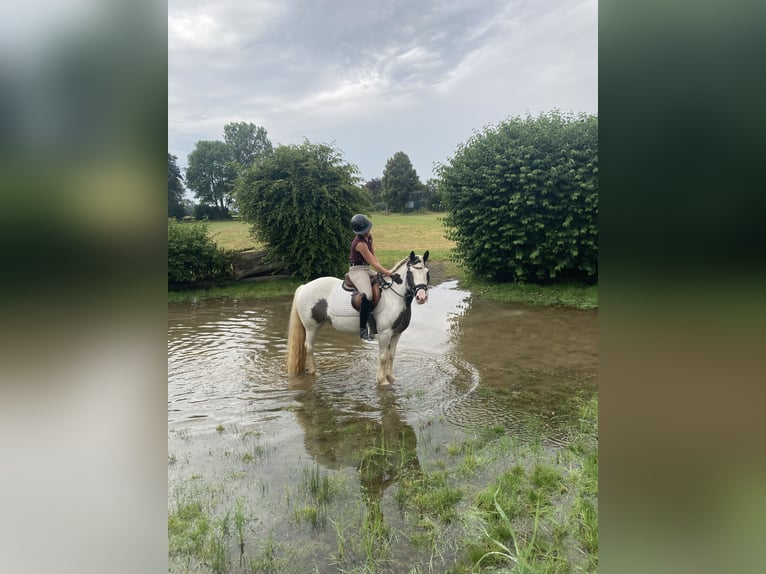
(361, 258)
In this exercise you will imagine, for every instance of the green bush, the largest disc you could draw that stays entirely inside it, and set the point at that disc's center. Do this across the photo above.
(522, 199)
(193, 256)
(301, 200)
(204, 211)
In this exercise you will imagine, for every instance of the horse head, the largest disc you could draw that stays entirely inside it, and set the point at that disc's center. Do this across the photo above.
(418, 277)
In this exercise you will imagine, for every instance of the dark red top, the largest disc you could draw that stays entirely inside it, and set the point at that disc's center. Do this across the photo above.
(355, 257)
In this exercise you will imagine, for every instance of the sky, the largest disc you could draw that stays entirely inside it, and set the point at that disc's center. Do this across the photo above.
(373, 78)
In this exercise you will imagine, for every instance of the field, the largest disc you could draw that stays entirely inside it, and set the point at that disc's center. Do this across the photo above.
(233, 235)
(395, 236)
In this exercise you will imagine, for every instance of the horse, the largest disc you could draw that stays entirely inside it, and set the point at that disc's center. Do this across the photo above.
(324, 301)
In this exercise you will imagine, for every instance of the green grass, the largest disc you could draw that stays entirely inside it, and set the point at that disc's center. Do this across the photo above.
(395, 236)
(238, 290)
(318, 485)
(234, 235)
(576, 295)
(493, 505)
(430, 493)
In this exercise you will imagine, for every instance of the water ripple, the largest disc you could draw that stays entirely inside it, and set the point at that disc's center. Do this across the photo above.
(469, 365)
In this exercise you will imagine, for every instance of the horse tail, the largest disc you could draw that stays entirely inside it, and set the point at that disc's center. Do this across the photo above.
(296, 340)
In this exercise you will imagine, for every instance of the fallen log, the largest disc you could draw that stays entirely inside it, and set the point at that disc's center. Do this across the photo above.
(249, 264)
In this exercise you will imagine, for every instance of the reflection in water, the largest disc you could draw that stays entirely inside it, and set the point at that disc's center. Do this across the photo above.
(373, 438)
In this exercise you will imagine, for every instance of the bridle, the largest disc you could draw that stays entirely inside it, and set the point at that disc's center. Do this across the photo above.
(411, 288)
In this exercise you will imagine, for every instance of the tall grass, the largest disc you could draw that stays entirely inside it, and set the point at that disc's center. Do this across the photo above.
(523, 552)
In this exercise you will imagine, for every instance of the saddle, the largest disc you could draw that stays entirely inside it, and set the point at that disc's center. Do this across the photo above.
(356, 296)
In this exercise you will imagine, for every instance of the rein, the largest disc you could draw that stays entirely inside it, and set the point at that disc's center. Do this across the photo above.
(411, 288)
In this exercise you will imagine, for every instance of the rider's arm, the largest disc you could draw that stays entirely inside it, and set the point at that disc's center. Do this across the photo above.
(370, 258)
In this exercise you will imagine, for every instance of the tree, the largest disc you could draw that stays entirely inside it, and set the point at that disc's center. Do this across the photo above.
(432, 195)
(246, 142)
(175, 188)
(522, 199)
(300, 200)
(211, 174)
(400, 182)
(375, 187)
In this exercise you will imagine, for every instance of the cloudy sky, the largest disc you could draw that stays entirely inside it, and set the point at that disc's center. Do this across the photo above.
(375, 77)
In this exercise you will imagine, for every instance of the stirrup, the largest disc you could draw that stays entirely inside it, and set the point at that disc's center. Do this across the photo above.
(364, 334)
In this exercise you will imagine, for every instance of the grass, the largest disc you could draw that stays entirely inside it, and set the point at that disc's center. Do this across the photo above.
(522, 554)
(319, 486)
(576, 295)
(493, 505)
(198, 536)
(430, 493)
(237, 290)
(395, 236)
(234, 235)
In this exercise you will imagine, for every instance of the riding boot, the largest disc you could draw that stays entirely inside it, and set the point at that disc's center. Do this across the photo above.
(364, 315)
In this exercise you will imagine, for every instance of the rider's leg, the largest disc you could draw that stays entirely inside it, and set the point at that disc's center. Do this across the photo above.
(361, 278)
(364, 315)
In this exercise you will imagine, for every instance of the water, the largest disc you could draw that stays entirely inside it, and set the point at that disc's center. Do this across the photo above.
(470, 362)
(240, 427)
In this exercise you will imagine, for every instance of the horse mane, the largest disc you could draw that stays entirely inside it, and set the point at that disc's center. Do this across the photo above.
(402, 262)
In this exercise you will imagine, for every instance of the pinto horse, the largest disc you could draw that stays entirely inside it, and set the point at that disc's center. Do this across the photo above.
(324, 301)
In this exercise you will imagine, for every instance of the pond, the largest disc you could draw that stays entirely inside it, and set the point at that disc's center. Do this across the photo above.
(249, 445)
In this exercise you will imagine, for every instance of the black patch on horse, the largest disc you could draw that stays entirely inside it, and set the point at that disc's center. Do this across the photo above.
(402, 321)
(319, 311)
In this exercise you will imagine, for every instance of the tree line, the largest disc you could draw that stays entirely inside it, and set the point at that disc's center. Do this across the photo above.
(521, 197)
(214, 167)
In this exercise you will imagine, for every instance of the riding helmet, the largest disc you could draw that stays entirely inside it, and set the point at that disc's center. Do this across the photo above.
(360, 224)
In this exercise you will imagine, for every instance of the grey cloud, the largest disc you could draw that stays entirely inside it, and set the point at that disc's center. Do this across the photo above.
(375, 76)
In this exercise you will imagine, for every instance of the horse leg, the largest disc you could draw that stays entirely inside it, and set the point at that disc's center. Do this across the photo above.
(392, 354)
(311, 367)
(384, 354)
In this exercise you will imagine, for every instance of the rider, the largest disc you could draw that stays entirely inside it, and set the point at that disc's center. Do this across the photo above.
(362, 259)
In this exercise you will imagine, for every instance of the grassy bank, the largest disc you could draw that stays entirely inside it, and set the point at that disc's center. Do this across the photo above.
(481, 503)
(395, 236)
(238, 290)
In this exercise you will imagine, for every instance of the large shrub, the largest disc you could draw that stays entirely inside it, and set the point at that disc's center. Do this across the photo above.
(193, 256)
(522, 199)
(300, 200)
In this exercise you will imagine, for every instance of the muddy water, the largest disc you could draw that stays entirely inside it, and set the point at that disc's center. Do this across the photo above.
(240, 426)
(469, 362)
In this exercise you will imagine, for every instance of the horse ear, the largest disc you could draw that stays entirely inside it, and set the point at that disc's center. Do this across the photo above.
(425, 256)
(412, 256)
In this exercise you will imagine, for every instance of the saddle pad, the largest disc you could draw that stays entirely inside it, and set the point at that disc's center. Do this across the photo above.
(340, 302)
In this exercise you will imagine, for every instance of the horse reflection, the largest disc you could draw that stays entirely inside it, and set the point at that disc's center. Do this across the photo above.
(382, 448)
